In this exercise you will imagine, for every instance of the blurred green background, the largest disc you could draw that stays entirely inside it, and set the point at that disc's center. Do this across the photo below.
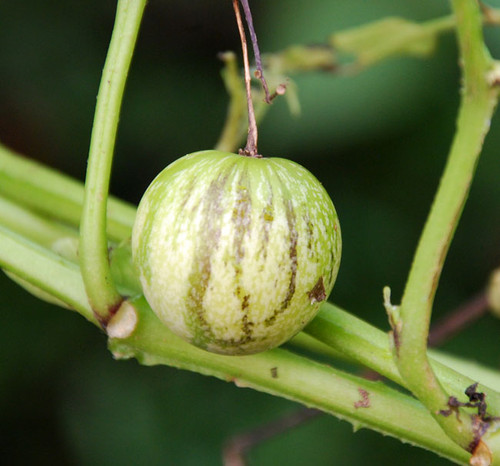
(378, 142)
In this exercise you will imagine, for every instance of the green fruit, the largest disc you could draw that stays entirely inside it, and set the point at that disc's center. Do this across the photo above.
(235, 254)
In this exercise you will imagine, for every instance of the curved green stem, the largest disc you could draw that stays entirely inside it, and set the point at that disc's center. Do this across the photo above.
(101, 291)
(411, 323)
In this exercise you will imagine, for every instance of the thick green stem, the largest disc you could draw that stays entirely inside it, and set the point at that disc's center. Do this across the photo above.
(41, 230)
(333, 328)
(101, 291)
(282, 373)
(55, 195)
(278, 371)
(326, 388)
(360, 342)
(411, 324)
(45, 270)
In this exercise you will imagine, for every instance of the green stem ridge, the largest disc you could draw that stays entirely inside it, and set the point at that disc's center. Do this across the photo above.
(411, 326)
(102, 293)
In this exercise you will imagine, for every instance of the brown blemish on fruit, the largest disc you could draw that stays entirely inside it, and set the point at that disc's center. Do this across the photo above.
(274, 372)
(241, 219)
(364, 402)
(318, 293)
(310, 232)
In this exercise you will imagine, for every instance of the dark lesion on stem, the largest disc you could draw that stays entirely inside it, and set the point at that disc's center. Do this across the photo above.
(482, 421)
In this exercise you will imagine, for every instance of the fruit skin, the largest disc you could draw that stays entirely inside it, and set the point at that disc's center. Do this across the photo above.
(235, 254)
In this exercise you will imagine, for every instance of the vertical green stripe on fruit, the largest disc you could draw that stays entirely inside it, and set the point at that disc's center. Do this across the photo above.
(235, 253)
(211, 207)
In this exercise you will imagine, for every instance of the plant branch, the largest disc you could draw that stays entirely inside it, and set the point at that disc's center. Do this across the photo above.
(347, 51)
(153, 343)
(334, 333)
(45, 270)
(33, 227)
(255, 45)
(239, 445)
(251, 146)
(55, 195)
(236, 120)
(102, 293)
(411, 322)
(282, 373)
(364, 344)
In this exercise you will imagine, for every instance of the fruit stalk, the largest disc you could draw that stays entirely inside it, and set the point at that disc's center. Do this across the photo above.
(251, 146)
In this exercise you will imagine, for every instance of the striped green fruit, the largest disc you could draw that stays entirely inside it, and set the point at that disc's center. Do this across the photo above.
(235, 254)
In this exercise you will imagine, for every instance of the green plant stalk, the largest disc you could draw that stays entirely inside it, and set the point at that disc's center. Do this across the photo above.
(33, 227)
(152, 343)
(295, 377)
(411, 326)
(46, 270)
(56, 195)
(94, 262)
(359, 341)
(333, 333)
(301, 59)
(280, 372)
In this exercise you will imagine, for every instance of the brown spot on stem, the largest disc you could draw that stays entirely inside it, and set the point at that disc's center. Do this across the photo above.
(397, 340)
(364, 402)
(112, 310)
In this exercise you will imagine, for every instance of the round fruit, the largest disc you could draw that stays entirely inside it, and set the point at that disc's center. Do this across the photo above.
(235, 254)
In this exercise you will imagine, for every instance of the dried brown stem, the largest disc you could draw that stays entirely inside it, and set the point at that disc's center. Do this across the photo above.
(458, 319)
(251, 147)
(259, 74)
(239, 445)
